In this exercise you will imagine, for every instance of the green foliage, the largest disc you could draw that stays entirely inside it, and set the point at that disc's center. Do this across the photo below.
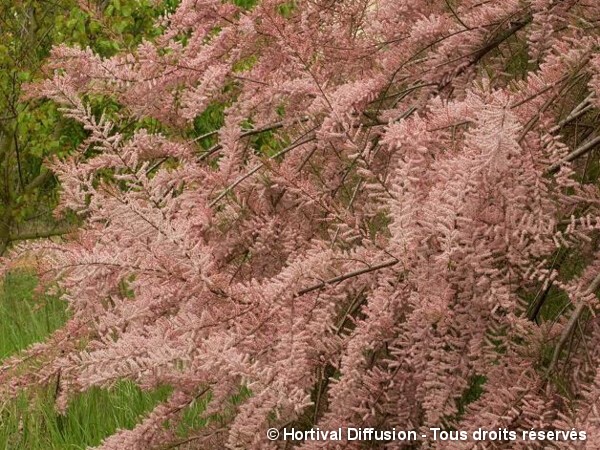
(245, 63)
(379, 224)
(25, 42)
(26, 318)
(33, 131)
(209, 121)
(267, 144)
(245, 4)
(119, 25)
(518, 65)
(287, 9)
(471, 394)
(31, 422)
(554, 305)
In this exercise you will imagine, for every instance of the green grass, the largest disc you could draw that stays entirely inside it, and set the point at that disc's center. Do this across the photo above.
(24, 317)
(30, 422)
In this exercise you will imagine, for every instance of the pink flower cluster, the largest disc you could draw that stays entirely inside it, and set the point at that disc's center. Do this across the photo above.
(428, 167)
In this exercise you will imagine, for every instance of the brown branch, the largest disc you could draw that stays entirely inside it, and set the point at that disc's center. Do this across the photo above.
(582, 150)
(456, 16)
(340, 278)
(251, 132)
(215, 148)
(38, 181)
(577, 112)
(42, 234)
(308, 138)
(573, 320)
(479, 54)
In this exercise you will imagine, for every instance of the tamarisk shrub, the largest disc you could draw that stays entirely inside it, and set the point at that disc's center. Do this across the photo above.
(399, 210)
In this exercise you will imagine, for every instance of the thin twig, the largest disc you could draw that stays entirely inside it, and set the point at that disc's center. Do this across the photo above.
(456, 15)
(215, 148)
(256, 168)
(589, 145)
(577, 313)
(577, 112)
(340, 278)
(43, 234)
